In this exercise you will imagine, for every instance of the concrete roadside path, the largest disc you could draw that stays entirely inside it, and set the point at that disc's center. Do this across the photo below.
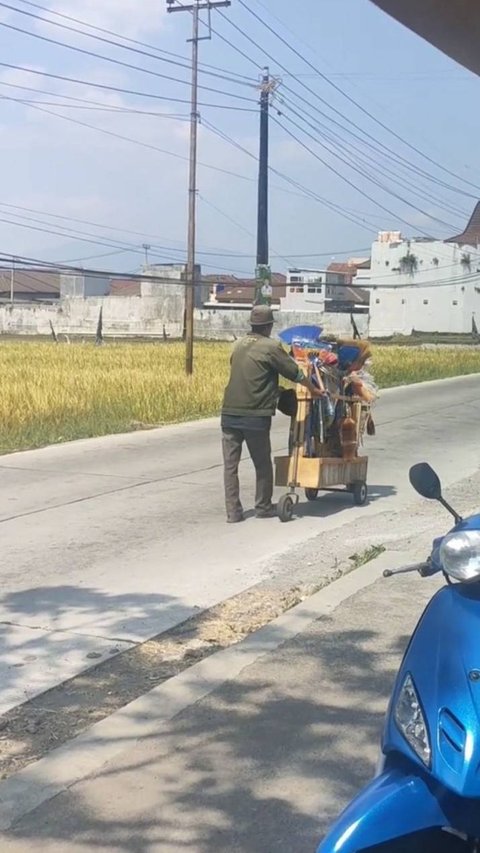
(258, 764)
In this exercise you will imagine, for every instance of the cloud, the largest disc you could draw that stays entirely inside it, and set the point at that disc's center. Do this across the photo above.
(132, 18)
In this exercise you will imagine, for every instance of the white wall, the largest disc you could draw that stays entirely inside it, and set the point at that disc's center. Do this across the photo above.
(423, 300)
(225, 324)
(144, 316)
(436, 262)
(424, 309)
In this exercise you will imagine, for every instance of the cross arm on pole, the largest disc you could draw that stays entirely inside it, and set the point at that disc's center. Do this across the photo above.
(200, 6)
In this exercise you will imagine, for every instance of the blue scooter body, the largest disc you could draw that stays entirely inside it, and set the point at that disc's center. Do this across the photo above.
(443, 660)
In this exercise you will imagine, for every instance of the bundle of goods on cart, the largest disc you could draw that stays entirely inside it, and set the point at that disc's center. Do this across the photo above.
(326, 432)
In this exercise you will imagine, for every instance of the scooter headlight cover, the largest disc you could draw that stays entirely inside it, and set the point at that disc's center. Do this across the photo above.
(411, 722)
(460, 555)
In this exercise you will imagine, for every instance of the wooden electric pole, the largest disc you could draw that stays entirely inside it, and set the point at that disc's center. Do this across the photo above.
(195, 8)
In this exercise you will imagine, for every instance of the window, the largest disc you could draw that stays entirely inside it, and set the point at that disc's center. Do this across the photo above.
(454, 302)
(403, 301)
(296, 279)
(425, 301)
(377, 301)
(312, 288)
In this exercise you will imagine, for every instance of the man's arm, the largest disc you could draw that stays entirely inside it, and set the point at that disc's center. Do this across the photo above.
(314, 390)
(289, 369)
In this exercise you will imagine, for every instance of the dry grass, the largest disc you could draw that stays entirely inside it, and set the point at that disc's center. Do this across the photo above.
(54, 393)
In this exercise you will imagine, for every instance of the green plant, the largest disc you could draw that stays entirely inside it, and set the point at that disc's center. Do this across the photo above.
(466, 261)
(409, 263)
(367, 556)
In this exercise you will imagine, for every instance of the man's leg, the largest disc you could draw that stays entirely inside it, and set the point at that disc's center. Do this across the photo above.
(259, 447)
(232, 440)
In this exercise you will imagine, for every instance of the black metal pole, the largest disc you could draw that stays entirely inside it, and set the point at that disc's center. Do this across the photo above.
(262, 225)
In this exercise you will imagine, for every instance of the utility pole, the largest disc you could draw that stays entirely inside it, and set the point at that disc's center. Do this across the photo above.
(195, 8)
(12, 282)
(146, 248)
(263, 290)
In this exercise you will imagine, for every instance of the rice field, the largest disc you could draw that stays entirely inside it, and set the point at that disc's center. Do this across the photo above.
(52, 393)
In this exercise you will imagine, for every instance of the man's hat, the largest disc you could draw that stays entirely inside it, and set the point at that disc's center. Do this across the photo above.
(262, 315)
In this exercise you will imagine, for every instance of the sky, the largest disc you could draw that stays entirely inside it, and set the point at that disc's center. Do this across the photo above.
(371, 129)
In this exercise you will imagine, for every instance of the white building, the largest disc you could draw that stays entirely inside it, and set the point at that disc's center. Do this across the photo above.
(306, 290)
(424, 285)
(310, 290)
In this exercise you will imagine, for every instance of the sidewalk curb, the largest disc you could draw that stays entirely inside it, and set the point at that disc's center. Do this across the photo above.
(86, 754)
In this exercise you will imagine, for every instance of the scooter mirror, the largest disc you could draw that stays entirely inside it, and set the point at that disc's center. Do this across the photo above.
(426, 482)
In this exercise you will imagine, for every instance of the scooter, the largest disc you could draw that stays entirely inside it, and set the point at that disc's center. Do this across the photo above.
(425, 797)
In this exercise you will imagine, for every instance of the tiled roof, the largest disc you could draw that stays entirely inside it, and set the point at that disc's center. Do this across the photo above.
(471, 235)
(30, 282)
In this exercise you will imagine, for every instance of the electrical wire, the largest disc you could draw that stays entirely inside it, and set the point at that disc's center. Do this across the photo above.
(119, 89)
(345, 179)
(151, 47)
(95, 55)
(311, 91)
(352, 100)
(305, 191)
(371, 178)
(337, 140)
(110, 42)
(83, 103)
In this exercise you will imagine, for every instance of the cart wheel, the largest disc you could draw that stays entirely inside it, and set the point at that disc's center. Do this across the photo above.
(311, 494)
(360, 493)
(285, 508)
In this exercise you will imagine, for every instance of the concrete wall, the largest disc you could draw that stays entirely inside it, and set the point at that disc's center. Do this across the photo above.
(83, 286)
(424, 309)
(145, 316)
(440, 295)
(225, 324)
(437, 262)
(122, 316)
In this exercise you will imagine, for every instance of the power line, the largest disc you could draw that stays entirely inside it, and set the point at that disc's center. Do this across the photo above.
(364, 174)
(128, 65)
(238, 225)
(122, 137)
(353, 101)
(345, 179)
(337, 140)
(108, 88)
(89, 104)
(221, 76)
(305, 191)
(143, 235)
(151, 47)
(338, 112)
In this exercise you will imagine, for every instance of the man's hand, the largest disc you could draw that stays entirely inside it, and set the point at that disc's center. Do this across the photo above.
(314, 391)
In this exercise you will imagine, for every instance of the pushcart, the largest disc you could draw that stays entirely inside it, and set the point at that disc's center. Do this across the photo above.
(320, 463)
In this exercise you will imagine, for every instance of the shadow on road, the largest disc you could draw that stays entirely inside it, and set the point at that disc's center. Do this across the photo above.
(49, 626)
(261, 765)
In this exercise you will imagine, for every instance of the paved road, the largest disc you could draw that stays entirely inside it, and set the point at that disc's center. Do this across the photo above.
(107, 542)
(261, 765)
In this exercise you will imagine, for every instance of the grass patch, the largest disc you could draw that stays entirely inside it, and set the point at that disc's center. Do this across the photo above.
(367, 556)
(52, 393)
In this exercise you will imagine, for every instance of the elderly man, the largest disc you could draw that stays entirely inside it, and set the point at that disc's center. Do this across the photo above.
(249, 404)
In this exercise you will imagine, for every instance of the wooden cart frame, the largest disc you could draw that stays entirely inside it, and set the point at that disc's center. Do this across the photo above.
(323, 471)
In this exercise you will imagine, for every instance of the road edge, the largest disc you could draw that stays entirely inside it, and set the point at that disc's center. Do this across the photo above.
(85, 755)
(199, 423)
